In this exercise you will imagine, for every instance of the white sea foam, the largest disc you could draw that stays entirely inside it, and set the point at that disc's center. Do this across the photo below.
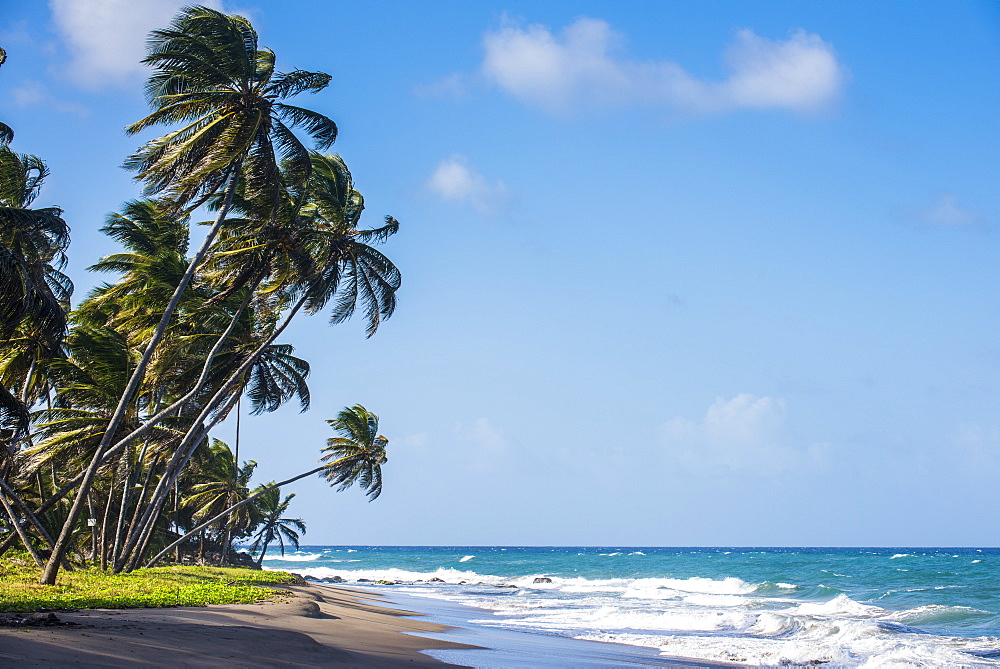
(446, 574)
(637, 553)
(841, 605)
(291, 557)
(975, 561)
(899, 555)
(850, 646)
(714, 619)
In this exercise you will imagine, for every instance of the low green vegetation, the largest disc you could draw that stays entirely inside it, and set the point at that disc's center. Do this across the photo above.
(160, 586)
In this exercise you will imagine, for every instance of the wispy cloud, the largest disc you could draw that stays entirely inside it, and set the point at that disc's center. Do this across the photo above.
(455, 180)
(946, 211)
(483, 443)
(744, 434)
(32, 93)
(106, 39)
(582, 67)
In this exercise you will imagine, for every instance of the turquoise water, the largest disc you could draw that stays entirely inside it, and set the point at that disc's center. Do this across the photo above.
(757, 606)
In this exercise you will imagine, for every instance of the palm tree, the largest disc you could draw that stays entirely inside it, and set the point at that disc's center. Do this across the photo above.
(271, 507)
(34, 297)
(224, 483)
(6, 134)
(325, 257)
(210, 75)
(34, 293)
(32, 249)
(356, 455)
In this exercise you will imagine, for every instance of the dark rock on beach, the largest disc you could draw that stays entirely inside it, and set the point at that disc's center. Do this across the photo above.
(542, 579)
(32, 620)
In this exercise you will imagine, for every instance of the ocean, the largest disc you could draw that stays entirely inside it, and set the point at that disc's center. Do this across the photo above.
(844, 607)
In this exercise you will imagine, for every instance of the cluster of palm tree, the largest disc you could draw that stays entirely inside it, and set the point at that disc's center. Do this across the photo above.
(106, 410)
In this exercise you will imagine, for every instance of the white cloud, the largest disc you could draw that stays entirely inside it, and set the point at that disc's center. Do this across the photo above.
(107, 38)
(581, 67)
(416, 441)
(455, 180)
(976, 449)
(29, 93)
(482, 443)
(946, 211)
(744, 434)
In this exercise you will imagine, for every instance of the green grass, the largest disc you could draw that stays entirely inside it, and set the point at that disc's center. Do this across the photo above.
(160, 586)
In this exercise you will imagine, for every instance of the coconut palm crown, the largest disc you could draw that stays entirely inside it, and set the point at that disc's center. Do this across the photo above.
(211, 76)
(358, 453)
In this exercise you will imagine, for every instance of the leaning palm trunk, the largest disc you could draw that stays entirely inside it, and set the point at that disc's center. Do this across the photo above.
(32, 518)
(127, 484)
(12, 495)
(140, 500)
(135, 434)
(199, 384)
(65, 535)
(268, 538)
(228, 511)
(150, 423)
(15, 521)
(142, 528)
(189, 443)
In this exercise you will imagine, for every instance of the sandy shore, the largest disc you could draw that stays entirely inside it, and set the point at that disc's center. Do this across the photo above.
(314, 627)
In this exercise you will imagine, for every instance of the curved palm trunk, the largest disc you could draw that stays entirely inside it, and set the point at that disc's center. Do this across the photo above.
(32, 518)
(129, 481)
(20, 531)
(142, 531)
(150, 423)
(67, 487)
(188, 445)
(268, 538)
(120, 558)
(62, 543)
(231, 509)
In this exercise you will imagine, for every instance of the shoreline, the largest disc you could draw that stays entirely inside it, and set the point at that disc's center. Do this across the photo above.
(498, 648)
(313, 626)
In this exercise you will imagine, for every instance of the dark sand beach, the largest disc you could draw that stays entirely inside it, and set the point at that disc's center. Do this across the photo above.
(313, 627)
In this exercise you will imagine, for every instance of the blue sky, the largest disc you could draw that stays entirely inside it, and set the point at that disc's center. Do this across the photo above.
(674, 273)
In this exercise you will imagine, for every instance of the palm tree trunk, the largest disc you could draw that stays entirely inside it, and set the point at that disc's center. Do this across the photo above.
(160, 495)
(62, 543)
(150, 423)
(93, 528)
(104, 521)
(32, 518)
(120, 559)
(142, 531)
(177, 524)
(233, 508)
(128, 482)
(224, 552)
(20, 532)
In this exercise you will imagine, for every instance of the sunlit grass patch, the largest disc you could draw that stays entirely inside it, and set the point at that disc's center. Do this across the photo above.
(160, 586)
